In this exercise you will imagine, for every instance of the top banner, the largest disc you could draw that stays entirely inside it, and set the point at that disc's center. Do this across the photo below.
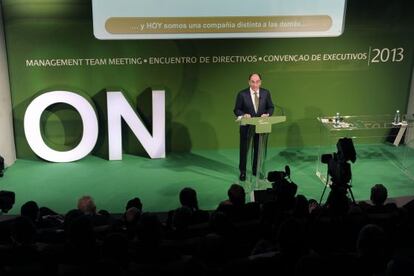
(188, 19)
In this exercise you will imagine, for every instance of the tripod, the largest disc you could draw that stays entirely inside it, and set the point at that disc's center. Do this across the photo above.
(346, 186)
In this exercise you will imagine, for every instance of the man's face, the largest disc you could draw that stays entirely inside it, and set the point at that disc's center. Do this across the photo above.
(255, 82)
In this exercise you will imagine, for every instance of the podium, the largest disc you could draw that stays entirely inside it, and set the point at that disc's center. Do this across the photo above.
(262, 126)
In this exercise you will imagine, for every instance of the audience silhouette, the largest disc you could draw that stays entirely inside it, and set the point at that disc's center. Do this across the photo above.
(288, 235)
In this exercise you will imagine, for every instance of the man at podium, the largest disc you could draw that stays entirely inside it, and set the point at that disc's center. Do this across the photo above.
(253, 101)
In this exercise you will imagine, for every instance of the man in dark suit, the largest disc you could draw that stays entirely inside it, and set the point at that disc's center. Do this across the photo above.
(251, 102)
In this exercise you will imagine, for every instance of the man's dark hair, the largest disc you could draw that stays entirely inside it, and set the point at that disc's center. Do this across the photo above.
(30, 210)
(135, 202)
(251, 75)
(188, 198)
(236, 194)
(378, 194)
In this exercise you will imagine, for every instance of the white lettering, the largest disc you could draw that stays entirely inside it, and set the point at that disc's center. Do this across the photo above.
(119, 108)
(34, 136)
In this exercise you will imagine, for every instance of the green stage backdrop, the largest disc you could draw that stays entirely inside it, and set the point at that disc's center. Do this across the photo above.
(51, 46)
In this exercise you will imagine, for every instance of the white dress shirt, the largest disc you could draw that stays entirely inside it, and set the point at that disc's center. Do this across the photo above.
(254, 104)
(253, 98)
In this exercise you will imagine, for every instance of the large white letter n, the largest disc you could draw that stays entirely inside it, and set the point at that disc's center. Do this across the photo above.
(119, 108)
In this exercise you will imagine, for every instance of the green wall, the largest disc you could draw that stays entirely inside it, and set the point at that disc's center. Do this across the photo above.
(200, 97)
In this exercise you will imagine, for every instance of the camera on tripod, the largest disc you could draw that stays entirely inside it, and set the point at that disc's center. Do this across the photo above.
(283, 189)
(279, 176)
(7, 200)
(1, 166)
(339, 169)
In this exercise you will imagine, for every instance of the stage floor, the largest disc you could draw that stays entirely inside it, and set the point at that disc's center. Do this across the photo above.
(210, 173)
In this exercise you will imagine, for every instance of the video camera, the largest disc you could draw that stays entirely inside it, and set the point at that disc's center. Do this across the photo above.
(7, 200)
(338, 167)
(1, 166)
(282, 189)
(279, 176)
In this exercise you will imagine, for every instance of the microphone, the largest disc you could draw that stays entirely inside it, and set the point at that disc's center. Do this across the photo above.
(287, 170)
(281, 109)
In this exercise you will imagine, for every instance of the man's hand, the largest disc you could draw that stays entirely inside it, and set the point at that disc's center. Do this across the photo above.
(313, 206)
(265, 115)
(247, 116)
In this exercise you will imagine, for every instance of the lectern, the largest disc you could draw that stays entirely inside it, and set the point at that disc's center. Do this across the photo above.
(262, 126)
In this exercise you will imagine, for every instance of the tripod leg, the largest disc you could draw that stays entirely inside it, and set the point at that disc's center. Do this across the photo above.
(352, 195)
(324, 189)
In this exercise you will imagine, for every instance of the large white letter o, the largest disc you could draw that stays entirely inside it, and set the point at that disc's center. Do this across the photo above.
(34, 136)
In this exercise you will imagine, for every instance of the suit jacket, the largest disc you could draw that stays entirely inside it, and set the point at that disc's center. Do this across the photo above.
(244, 103)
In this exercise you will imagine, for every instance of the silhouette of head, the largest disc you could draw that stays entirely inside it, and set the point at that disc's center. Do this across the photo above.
(30, 210)
(378, 194)
(135, 202)
(87, 205)
(188, 198)
(236, 194)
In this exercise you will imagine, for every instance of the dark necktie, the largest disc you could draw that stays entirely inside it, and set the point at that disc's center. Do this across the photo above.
(256, 101)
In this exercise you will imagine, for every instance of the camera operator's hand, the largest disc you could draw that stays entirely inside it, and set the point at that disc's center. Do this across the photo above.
(312, 206)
